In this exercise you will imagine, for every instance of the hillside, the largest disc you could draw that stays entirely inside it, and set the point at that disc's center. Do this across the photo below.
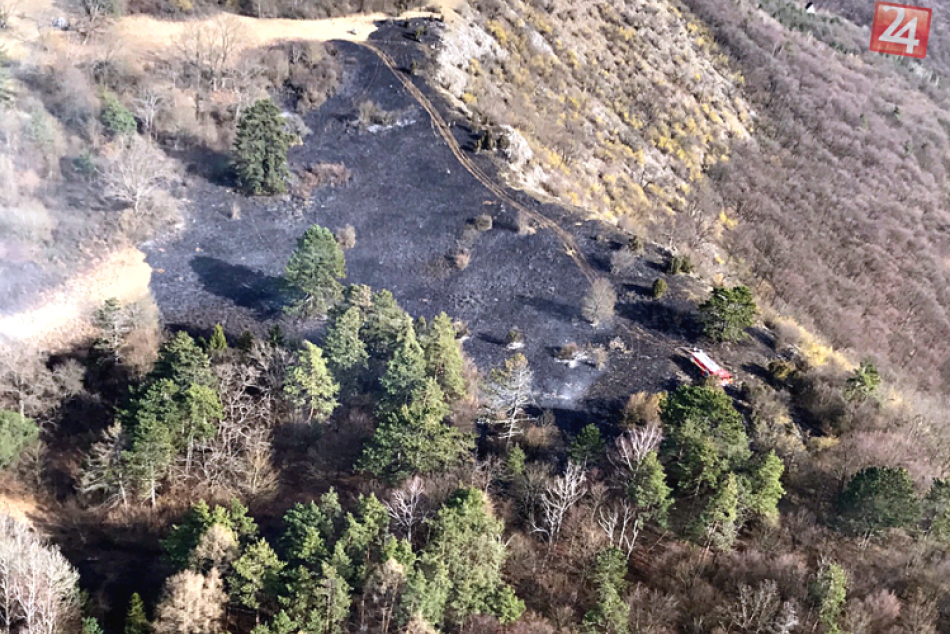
(777, 149)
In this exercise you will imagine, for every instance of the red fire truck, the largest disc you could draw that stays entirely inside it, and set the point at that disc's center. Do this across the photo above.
(707, 366)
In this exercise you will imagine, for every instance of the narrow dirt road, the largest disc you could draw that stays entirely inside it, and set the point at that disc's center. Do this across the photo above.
(442, 129)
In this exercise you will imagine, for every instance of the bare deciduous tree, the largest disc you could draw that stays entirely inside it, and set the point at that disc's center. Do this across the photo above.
(210, 46)
(28, 386)
(621, 524)
(561, 494)
(134, 170)
(633, 445)
(506, 394)
(192, 603)
(217, 548)
(148, 105)
(104, 473)
(38, 587)
(598, 306)
(405, 506)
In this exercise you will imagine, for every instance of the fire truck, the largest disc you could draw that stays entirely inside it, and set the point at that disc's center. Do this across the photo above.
(707, 366)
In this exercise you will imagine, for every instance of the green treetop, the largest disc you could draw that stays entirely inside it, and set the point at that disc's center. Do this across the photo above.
(444, 356)
(878, 498)
(309, 384)
(406, 371)
(727, 313)
(260, 150)
(314, 272)
(17, 432)
(346, 352)
(705, 436)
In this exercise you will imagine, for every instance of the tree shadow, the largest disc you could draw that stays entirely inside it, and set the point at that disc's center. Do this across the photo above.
(566, 312)
(663, 318)
(264, 294)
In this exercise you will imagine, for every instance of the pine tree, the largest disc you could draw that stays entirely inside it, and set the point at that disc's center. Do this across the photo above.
(256, 579)
(718, 523)
(183, 362)
(766, 487)
(313, 272)
(91, 625)
(179, 546)
(611, 613)
(151, 455)
(113, 326)
(218, 341)
(309, 384)
(135, 619)
(466, 550)
(362, 540)
(346, 352)
(876, 499)
(705, 436)
(202, 410)
(17, 432)
(649, 491)
(406, 371)
(384, 324)
(727, 313)
(829, 593)
(260, 150)
(863, 382)
(588, 446)
(444, 356)
(415, 439)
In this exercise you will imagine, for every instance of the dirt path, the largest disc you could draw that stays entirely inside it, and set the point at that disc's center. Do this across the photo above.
(440, 126)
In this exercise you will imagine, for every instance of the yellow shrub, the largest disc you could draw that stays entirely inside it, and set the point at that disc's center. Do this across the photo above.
(498, 32)
(469, 99)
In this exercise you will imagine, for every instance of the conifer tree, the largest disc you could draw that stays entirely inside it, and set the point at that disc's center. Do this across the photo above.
(256, 579)
(309, 384)
(151, 455)
(113, 326)
(17, 432)
(346, 352)
(406, 371)
(717, 525)
(829, 592)
(218, 341)
(727, 313)
(183, 362)
(444, 356)
(649, 491)
(766, 487)
(384, 324)
(314, 272)
(260, 150)
(135, 619)
(588, 446)
(415, 439)
(611, 613)
(466, 551)
(105, 472)
(705, 436)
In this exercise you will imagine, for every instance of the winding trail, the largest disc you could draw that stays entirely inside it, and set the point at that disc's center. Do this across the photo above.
(442, 129)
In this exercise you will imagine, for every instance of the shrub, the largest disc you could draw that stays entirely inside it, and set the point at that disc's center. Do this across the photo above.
(346, 237)
(370, 114)
(568, 352)
(598, 306)
(115, 117)
(727, 313)
(260, 150)
(878, 498)
(623, 261)
(635, 244)
(679, 264)
(588, 446)
(781, 371)
(514, 339)
(659, 288)
(462, 259)
(483, 222)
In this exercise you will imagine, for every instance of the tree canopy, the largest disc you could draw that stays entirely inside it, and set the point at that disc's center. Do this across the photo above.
(878, 498)
(314, 272)
(727, 313)
(260, 150)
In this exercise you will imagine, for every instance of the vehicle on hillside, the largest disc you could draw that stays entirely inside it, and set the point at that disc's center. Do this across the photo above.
(707, 366)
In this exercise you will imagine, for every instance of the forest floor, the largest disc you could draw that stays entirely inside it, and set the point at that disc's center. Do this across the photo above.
(410, 200)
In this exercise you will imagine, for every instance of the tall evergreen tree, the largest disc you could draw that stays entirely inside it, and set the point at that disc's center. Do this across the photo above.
(727, 313)
(705, 436)
(765, 487)
(17, 432)
(415, 439)
(113, 326)
(185, 537)
(218, 340)
(105, 474)
(611, 613)
(876, 499)
(314, 272)
(260, 150)
(346, 352)
(466, 550)
(135, 620)
(256, 580)
(384, 324)
(717, 525)
(444, 356)
(406, 371)
(649, 491)
(151, 455)
(309, 384)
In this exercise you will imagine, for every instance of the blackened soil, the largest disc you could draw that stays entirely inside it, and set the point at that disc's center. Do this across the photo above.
(410, 201)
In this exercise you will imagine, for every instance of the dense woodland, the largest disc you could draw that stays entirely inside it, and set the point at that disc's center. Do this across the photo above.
(373, 478)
